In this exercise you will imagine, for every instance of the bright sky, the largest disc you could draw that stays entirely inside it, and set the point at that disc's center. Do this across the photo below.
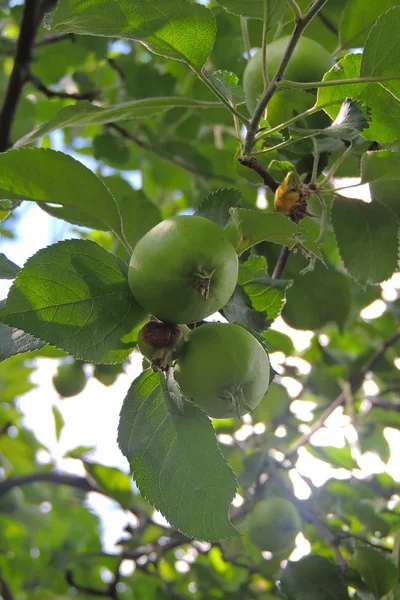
(91, 419)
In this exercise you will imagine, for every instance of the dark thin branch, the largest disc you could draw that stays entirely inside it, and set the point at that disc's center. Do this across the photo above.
(251, 568)
(177, 540)
(253, 163)
(300, 26)
(114, 65)
(54, 39)
(111, 591)
(20, 72)
(165, 156)
(281, 263)
(159, 549)
(355, 384)
(348, 536)
(328, 24)
(117, 578)
(99, 554)
(328, 537)
(371, 362)
(317, 425)
(39, 85)
(133, 554)
(5, 590)
(386, 405)
(103, 593)
(75, 481)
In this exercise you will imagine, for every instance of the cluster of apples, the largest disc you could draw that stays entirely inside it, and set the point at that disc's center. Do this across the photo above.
(181, 272)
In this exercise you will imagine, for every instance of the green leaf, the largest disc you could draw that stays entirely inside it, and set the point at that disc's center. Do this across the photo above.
(366, 514)
(58, 422)
(267, 295)
(180, 30)
(228, 84)
(75, 296)
(381, 169)
(252, 466)
(384, 123)
(254, 267)
(375, 441)
(254, 226)
(175, 459)
(357, 19)
(239, 310)
(15, 341)
(339, 457)
(366, 235)
(8, 269)
(85, 113)
(7, 46)
(383, 112)
(347, 67)
(255, 9)
(113, 481)
(14, 381)
(349, 122)
(306, 239)
(283, 105)
(388, 418)
(18, 453)
(317, 298)
(249, 227)
(377, 571)
(313, 577)
(79, 452)
(277, 341)
(274, 404)
(216, 206)
(6, 207)
(111, 148)
(379, 165)
(47, 176)
(381, 56)
(138, 214)
(278, 169)
(394, 594)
